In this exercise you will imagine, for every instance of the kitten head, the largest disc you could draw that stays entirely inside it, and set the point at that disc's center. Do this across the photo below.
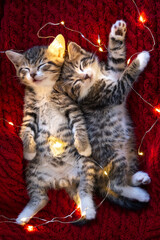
(80, 71)
(40, 65)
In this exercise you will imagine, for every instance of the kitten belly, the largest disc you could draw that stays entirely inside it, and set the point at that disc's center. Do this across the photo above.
(51, 118)
(58, 177)
(109, 131)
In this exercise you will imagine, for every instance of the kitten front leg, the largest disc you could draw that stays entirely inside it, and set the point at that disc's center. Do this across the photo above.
(116, 47)
(121, 88)
(81, 143)
(27, 135)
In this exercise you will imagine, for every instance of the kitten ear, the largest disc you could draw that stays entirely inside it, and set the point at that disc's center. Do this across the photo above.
(73, 50)
(57, 47)
(14, 57)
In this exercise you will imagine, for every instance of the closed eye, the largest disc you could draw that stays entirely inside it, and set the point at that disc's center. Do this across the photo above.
(41, 65)
(24, 70)
(47, 65)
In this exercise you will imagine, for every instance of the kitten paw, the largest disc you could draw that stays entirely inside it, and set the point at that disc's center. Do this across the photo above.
(90, 213)
(22, 220)
(29, 152)
(140, 178)
(118, 30)
(29, 155)
(143, 196)
(87, 208)
(87, 152)
(143, 58)
(82, 149)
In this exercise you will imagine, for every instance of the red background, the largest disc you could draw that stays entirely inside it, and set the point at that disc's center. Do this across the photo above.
(20, 21)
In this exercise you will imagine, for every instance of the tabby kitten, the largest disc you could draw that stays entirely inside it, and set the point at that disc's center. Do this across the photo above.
(53, 133)
(101, 93)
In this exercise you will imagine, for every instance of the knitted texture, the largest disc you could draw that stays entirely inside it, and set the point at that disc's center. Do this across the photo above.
(20, 21)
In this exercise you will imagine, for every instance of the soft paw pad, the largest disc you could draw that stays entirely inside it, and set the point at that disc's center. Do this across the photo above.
(118, 30)
(140, 178)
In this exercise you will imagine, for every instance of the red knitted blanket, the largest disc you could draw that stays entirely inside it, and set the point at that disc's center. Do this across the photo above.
(20, 21)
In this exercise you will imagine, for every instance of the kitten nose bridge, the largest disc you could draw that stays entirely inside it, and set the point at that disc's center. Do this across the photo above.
(33, 75)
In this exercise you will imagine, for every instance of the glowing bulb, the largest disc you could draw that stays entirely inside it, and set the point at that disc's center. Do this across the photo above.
(83, 214)
(79, 206)
(140, 153)
(30, 228)
(100, 49)
(82, 35)
(157, 110)
(142, 18)
(57, 146)
(99, 40)
(128, 62)
(11, 123)
(105, 173)
(62, 22)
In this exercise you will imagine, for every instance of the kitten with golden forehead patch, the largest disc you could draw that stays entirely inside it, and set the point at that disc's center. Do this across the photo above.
(53, 133)
(101, 91)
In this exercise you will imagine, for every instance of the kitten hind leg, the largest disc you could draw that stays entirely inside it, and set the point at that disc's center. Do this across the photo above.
(36, 203)
(85, 190)
(134, 193)
(135, 177)
(73, 193)
(118, 181)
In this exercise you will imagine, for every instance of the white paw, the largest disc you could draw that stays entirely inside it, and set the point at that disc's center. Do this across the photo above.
(140, 178)
(28, 155)
(87, 152)
(118, 30)
(143, 196)
(143, 58)
(90, 213)
(87, 208)
(21, 220)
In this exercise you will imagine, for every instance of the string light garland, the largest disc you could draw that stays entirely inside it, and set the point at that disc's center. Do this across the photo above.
(31, 228)
(142, 19)
(10, 123)
(99, 46)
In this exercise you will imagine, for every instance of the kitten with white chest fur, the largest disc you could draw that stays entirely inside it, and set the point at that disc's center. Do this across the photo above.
(53, 133)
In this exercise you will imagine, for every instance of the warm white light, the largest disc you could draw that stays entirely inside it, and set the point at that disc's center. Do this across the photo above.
(157, 110)
(57, 146)
(83, 214)
(11, 123)
(100, 49)
(62, 22)
(30, 228)
(140, 153)
(105, 173)
(99, 40)
(128, 62)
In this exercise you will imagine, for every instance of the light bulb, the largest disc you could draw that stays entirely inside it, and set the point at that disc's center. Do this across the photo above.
(100, 49)
(140, 153)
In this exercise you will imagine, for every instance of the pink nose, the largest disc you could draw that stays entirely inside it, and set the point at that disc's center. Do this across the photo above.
(88, 76)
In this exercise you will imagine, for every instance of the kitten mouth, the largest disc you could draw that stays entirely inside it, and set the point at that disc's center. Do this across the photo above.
(36, 81)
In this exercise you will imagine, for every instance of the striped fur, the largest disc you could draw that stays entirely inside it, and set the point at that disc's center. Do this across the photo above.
(101, 92)
(54, 136)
